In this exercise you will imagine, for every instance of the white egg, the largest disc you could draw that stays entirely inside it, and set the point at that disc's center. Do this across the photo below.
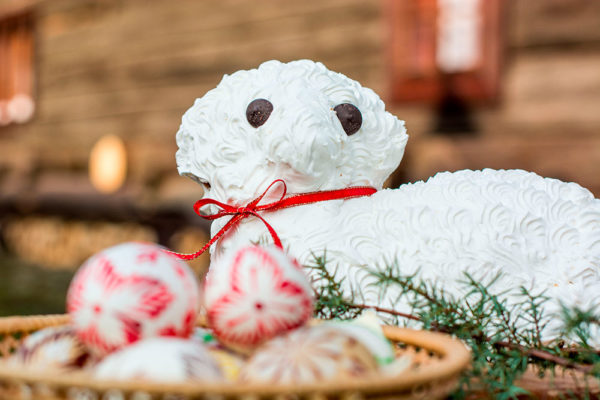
(160, 360)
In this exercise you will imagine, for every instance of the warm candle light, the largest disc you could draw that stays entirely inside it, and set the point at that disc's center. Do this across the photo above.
(108, 164)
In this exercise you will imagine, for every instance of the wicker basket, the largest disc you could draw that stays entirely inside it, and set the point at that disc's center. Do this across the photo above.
(437, 363)
(559, 384)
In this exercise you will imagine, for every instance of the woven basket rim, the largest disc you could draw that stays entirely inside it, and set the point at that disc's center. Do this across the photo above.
(454, 358)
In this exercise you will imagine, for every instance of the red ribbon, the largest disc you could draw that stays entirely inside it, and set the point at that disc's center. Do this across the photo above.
(253, 208)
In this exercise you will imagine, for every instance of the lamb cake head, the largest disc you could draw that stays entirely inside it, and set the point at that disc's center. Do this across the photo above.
(297, 121)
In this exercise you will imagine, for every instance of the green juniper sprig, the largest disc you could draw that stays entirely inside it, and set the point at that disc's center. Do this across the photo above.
(504, 339)
(330, 297)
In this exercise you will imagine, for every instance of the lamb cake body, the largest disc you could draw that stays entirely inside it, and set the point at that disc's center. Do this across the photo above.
(298, 122)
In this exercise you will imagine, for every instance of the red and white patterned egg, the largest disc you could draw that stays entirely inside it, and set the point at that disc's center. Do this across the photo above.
(309, 355)
(56, 349)
(161, 360)
(130, 292)
(254, 294)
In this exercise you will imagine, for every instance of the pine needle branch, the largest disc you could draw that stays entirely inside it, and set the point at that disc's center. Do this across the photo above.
(384, 310)
(546, 356)
(503, 339)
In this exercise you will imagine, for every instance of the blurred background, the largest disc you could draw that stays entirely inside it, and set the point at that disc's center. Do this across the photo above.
(92, 93)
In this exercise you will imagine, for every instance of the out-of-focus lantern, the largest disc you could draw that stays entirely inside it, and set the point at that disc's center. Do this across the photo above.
(108, 164)
(444, 47)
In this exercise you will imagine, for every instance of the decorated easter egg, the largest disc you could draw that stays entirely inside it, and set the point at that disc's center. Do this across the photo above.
(207, 337)
(254, 294)
(52, 349)
(367, 330)
(160, 360)
(309, 355)
(229, 362)
(130, 292)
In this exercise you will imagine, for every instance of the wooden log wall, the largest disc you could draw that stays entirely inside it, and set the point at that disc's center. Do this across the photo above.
(547, 119)
(132, 67)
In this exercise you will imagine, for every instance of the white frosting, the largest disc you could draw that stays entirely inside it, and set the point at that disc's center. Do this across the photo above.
(302, 141)
(541, 233)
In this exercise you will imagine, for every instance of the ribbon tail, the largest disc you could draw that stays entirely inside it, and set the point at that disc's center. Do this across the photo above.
(276, 240)
(225, 228)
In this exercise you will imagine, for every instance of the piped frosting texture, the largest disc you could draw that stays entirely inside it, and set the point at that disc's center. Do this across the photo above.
(302, 141)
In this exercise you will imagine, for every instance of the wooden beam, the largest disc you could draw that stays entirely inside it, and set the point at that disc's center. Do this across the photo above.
(12, 8)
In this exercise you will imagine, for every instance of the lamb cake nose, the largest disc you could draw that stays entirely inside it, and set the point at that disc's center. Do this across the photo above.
(258, 112)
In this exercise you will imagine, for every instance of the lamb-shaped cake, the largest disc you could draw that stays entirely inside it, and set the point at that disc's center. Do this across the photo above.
(318, 130)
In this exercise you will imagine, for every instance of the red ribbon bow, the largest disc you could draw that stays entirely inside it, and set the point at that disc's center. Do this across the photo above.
(253, 208)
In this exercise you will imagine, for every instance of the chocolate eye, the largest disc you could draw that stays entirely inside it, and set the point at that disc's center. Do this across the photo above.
(258, 112)
(349, 116)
